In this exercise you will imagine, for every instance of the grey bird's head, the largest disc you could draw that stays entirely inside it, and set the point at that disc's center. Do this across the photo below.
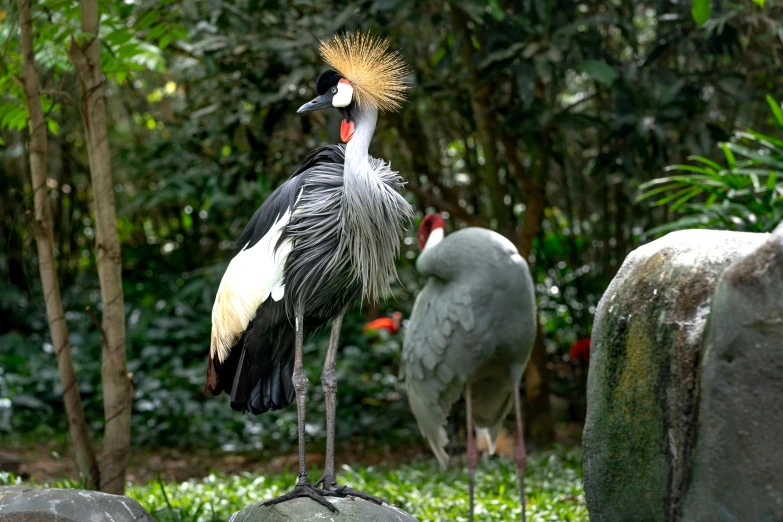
(337, 92)
(333, 91)
(364, 77)
(431, 231)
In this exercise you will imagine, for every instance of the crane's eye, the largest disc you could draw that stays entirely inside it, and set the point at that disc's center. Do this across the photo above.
(343, 94)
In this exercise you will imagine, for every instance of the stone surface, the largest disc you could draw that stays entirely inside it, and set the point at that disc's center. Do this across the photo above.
(738, 461)
(29, 504)
(307, 510)
(644, 364)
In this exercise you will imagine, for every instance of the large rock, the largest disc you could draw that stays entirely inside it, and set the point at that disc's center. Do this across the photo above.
(644, 361)
(28, 504)
(738, 461)
(307, 510)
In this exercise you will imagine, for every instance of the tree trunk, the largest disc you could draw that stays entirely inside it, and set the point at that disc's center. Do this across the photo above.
(538, 412)
(486, 124)
(85, 55)
(42, 224)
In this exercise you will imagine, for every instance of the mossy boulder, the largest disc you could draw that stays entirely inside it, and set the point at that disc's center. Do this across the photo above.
(29, 504)
(306, 510)
(738, 463)
(644, 363)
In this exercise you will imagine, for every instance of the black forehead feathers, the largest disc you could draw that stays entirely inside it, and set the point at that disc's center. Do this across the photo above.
(327, 80)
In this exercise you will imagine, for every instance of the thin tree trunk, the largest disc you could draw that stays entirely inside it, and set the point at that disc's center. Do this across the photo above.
(42, 224)
(85, 55)
(538, 412)
(485, 124)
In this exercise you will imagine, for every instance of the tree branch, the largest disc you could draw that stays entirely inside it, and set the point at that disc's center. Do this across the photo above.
(453, 209)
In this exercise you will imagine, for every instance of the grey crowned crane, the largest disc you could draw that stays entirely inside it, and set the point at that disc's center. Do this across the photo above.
(471, 332)
(326, 237)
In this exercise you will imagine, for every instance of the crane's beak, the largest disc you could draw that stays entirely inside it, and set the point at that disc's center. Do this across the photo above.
(321, 102)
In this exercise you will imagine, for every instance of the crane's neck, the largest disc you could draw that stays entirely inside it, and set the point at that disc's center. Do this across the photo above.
(373, 213)
(357, 157)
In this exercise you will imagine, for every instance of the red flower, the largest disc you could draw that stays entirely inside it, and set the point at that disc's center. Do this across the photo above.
(580, 350)
(391, 325)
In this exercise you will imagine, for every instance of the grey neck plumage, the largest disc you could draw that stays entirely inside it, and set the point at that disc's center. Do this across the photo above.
(374, 213)
(357, 157)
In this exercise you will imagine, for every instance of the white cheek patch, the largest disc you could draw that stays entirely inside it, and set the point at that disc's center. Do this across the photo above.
(436, 236)
(344, 94)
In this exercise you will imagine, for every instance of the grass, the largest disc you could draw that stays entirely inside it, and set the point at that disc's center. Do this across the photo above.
(553, 487)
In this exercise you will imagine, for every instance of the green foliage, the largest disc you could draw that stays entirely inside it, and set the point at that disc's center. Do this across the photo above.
(593, 98)
(599, 70)
(167, 359)
(132, 40)
(553, 486)
(745, 193)
(701, 11)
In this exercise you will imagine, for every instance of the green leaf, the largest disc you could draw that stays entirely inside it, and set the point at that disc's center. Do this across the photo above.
(776, 110)
(701, 11)
(730, 159)
(690, 168)
(54, 127)
(119, 36)
(768, 141)
(676, 195)
(165, 41)
(650, 193)
(771, 182)
(764, 159)
(497, 12)
(759, 2)
(706, 161)
(2, 142)
(599, 70)
(680, 202)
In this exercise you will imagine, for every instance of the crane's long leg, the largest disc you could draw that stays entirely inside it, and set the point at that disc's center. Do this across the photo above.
(329, 383)
(520, 453)
(472, 452)
(301, 385)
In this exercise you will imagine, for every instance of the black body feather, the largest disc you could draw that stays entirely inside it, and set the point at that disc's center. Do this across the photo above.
(257, 373)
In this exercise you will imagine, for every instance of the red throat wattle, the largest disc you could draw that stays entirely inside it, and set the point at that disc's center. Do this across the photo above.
(346, 131)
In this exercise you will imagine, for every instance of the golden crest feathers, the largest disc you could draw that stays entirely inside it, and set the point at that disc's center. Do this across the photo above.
(376, 74)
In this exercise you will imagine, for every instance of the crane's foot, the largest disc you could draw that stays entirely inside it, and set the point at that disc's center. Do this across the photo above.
(309, 491)
(332, 486)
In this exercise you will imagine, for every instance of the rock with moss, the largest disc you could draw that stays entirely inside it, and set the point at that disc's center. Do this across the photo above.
(737, 463)
(350, 509)
(29, 504)
(643, 378)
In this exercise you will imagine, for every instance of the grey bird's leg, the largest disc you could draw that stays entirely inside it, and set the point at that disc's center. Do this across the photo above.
(329, 383)
(301, 385)
(520, 453)
(471, 457)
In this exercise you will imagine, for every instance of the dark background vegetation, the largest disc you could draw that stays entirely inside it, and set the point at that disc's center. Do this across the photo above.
(538, 119)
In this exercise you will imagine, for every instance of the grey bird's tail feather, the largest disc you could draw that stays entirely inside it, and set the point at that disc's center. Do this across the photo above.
(490, 435)
(431, 420)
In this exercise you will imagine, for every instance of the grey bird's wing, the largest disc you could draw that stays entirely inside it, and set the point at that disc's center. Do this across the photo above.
(442, 318)
(475, 318)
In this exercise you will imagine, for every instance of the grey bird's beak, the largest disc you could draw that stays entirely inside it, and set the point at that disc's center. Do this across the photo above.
(321, 102)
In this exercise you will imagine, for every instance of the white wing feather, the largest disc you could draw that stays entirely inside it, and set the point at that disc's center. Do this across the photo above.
(250, 278)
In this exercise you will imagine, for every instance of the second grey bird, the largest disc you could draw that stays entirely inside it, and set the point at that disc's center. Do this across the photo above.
(471, 332)
(326, 237)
